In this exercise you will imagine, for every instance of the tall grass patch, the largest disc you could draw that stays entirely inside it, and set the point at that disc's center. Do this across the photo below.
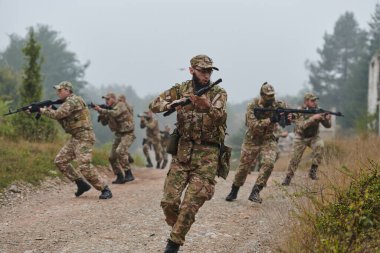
(344, 215)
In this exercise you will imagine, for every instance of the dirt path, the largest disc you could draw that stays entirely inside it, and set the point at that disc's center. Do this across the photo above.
(53, 220)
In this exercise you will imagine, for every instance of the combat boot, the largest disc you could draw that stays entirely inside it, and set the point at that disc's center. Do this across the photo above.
(172, 247)
(313, 172)
(255, 194)
(233, 193)
(83, 186)
(287, 180)
(149, 163)
(129, 176)
(158, 165)
(164, 164)
(120, 179)
(106, 193)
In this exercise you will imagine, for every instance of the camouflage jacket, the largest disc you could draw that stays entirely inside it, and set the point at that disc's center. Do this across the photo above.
(306, 127)
(152, 129)
(119, 118)
(73, 115)
(195, 124)
(259, 127)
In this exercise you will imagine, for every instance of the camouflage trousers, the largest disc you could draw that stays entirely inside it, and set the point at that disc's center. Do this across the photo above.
(119, 152)
(199, 177)
(259, 161)
(164, 153)
(79, 148)
(156, 146)
(299, 146)
(250, 152)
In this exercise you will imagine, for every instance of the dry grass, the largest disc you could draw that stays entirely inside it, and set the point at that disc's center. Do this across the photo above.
(324, 220)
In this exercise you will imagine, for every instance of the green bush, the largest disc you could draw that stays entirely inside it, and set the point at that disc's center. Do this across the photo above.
(351, 223)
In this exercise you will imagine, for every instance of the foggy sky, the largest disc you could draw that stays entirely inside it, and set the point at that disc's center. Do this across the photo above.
(144, 43)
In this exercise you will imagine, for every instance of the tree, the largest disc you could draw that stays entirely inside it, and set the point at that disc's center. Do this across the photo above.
(341, 52)
(59, 63)
(30, 91)
(338, 76)
(374, 32)
(355, 96)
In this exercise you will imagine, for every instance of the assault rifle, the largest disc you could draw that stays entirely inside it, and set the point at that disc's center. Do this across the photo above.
(280, 115)
(188, 101)
(103, 106)
(35, 107)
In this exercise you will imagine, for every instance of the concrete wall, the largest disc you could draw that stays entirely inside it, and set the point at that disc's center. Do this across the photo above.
(374, 85)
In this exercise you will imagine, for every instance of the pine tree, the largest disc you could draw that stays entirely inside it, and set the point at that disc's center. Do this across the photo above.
(31, 91)
(355, 97)
(341, 52)
(374, 32)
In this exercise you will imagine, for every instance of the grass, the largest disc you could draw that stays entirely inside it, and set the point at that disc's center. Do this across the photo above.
(24, 161)
(33, 162)
(344, 215)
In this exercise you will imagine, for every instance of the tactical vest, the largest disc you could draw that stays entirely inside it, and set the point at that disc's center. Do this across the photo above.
(122, 123)
(79, 118)
(194, 125)
(261, 132)
(310, 131)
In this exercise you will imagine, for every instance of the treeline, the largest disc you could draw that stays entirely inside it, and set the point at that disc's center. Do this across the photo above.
(340, 76)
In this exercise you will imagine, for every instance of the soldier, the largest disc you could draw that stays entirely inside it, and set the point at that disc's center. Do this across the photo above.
(260, 141)
(201, 126)
(122, 98)
(153, 138)
(165, 136)
(120, 121)
(75, 119)
(307, 135)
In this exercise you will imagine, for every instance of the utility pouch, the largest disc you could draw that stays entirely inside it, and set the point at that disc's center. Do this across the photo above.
(185, 150)
(172, 147)
(224, 161)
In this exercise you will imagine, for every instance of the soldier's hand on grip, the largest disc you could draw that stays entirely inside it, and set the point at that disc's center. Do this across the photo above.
(200, 101)
(175, 103)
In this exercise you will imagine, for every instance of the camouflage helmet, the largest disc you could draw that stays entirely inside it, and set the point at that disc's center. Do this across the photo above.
(310, 96)
(202, 61)
(64, 85)
(109, 95)
(266, 90)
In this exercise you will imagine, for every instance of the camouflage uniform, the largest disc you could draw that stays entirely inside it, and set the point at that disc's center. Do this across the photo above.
(260, 141)
(259, 161)
(195, 165)
(120, 121)
(165, 137)
(153, 138)
(306, 135)
(74, 117)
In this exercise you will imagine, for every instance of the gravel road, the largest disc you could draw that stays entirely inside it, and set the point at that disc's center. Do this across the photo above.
(51, 219)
